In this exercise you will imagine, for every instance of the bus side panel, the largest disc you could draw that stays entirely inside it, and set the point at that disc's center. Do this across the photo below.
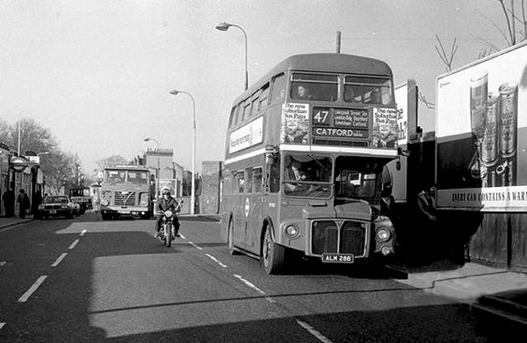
(270, 208)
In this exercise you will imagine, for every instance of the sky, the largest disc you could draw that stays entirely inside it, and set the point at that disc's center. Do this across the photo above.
(98, 73)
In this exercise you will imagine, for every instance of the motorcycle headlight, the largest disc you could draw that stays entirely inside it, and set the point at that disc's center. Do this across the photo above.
(168, 214)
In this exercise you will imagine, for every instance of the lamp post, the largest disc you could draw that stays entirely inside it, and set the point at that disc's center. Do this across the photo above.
(43, 177)
(158, 169)
(224, 27)
(193, 190)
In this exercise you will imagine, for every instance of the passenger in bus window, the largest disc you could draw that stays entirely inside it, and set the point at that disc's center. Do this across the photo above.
(376, 96)
(302, 93)
(349, 95)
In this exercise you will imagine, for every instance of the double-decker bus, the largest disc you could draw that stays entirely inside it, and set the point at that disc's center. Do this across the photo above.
(125, 191)
(306, 147)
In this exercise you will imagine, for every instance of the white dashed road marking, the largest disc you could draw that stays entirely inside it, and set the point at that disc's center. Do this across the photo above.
(32, 289)
(216, 260)
(73, 244)
(2, 325)
(2, 263)
(195, 246)
(58, 260)
(314, 332)
(83, 232)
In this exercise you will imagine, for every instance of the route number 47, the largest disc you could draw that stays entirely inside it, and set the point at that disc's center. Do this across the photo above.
(321, 117)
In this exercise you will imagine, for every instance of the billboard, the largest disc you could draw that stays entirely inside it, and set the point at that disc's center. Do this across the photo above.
(481, 130)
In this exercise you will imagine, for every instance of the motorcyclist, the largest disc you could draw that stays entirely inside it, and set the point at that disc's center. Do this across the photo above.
(164, 203)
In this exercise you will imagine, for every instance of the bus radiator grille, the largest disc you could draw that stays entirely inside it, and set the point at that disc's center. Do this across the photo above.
(326, 233)
(352, 239)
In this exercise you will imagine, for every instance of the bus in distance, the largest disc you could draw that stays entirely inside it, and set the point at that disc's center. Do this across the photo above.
(125, 191)
(305, 152)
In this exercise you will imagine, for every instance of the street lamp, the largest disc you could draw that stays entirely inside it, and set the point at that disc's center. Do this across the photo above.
(158, 169)
(224, 27)
(43, 177)
(193, 190)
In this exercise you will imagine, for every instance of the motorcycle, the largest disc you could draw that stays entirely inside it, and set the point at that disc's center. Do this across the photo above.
(167, 232)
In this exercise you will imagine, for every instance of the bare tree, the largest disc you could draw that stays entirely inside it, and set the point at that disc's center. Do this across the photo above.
(111, 161)
(59, 169)
(447, 58)
(33, 136)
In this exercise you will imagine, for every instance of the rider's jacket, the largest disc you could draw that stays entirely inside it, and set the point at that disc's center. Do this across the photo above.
(163, 204)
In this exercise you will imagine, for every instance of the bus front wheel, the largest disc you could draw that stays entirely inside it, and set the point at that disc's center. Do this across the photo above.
(273, 255)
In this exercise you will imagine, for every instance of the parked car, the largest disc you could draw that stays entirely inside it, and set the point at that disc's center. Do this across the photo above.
(56, 206)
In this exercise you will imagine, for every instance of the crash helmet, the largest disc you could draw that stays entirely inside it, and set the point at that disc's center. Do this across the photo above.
(165, 190)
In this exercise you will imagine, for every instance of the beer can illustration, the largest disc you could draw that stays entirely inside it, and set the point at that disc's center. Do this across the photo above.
(489, 146)
(508, 122)
(490, 177)
(506, 172)
(478, 103)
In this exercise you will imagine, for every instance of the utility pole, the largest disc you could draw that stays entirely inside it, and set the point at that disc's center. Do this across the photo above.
(338, 42)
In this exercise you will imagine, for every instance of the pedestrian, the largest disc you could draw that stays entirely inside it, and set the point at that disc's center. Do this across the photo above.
(9, 203)
(427, 205)
(428, 232)
(23, 203)
(37, 199)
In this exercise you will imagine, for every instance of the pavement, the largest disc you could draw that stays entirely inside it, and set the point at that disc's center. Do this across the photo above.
(496, 290)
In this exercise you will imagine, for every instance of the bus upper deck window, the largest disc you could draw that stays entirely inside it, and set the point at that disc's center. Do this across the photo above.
(368, 90)
(314, 87)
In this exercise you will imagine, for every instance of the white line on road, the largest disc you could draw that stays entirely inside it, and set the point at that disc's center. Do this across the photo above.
(73, 244)
(216, 260)
(58, 260)
(2, 325)
(314, 332)
(2, 263)
(83, 232)
(32, 289)
(182, 236)
(251, 285)
(195, 246)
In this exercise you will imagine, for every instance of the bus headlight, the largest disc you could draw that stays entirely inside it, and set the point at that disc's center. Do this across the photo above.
(291, 231)
(105, 202)
(383, 234)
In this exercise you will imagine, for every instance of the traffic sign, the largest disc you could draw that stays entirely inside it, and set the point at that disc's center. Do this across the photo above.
(18, 163)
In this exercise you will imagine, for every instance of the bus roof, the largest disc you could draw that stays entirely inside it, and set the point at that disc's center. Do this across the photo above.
(324, 62)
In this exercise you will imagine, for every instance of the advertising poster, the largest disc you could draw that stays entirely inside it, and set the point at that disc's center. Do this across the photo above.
(295, 123)
(401, 98)
(482, 134)
(246, 136)
(385, 128)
